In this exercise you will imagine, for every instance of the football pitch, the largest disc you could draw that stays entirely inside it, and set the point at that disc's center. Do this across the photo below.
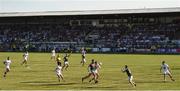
(40, 74)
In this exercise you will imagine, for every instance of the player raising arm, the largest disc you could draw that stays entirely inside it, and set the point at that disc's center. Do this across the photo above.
(7, 64)
(66, 61)
(130, 77)
(58, 58)
(166, 71)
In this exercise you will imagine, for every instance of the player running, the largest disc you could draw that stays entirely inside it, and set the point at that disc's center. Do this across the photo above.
(166, 71)
(66, 59)
(130, 77)
(91, 69)
(7, 64)
(53, 54)
(58, 71)
(97, 67)
(83, 52)
(25, 58)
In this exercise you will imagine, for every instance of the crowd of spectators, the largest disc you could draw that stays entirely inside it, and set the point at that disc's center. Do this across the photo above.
(121, 38)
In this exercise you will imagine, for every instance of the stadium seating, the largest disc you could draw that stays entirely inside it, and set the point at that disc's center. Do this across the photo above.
(127, 38)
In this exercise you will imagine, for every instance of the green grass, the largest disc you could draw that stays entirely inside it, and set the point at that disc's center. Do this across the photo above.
(41, 75)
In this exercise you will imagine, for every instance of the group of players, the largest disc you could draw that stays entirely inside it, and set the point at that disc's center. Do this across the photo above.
(93, 67)
(7, 63)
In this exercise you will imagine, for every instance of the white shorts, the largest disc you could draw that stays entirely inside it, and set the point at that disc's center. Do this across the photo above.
(53, 55)
(84, 60)
(66, 63)
(7, 67)
(58, 73)
(25, 58)
(96, 71)
(93, 72)
(166, 72)
(130, 78)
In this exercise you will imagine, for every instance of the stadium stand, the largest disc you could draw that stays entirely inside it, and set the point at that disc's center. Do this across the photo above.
(127, 33)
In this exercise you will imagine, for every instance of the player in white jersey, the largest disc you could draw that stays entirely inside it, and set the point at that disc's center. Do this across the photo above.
(7, 64)
(58, 71)
(25, 58)
(166, 71)
(83, 52)
(53, 54)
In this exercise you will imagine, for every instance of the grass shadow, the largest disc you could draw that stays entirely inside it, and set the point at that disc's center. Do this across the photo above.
(150, 82)
(99, 87)
(55, 84)
(37, 82)
(47, 83)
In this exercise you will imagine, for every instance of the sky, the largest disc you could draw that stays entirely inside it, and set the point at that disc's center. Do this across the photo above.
(75, 5)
